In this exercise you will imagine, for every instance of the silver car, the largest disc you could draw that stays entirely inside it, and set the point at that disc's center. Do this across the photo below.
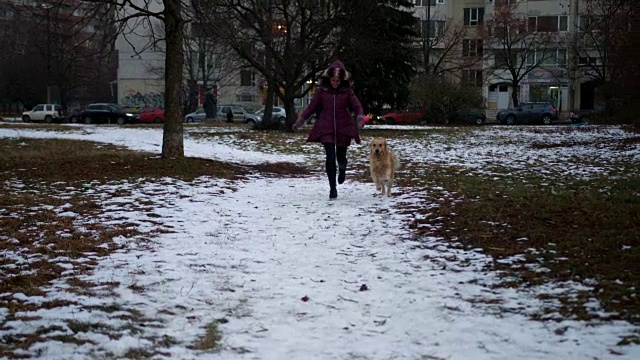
(278, 113)
(198, 115)
(239, 114)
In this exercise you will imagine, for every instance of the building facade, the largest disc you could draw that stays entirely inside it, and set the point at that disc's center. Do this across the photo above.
(547, 74)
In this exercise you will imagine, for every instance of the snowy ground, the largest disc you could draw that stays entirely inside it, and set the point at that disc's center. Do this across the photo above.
(246, 255)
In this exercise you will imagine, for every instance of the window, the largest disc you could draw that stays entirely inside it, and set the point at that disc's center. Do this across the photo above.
(473, 16)
(588, 23)
(505, 2)
(556, 58)
(471, 47)
(247, 78)
(587, 60)
(506, 59)
(472, 77)
(531, 58)
(427, 2)
(548, 23)
(551, 57)
(563, 23)
(38, 108)
(246, 98)
(498, 88)
(435, 27)
(6, 14)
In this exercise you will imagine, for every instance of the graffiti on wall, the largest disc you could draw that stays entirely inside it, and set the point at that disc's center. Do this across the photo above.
(138, 99)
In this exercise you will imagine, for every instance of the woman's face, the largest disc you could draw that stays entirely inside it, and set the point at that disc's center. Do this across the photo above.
(335, 81)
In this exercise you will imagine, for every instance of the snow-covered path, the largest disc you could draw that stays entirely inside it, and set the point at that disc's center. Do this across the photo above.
(251, 255)
(243, 255)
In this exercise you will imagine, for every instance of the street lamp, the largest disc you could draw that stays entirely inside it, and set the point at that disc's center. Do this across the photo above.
(48, 7)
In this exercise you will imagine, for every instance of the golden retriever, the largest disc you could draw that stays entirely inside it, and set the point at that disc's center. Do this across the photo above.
(383, 164)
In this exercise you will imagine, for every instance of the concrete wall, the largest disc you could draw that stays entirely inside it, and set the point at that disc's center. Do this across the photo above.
(140, 67)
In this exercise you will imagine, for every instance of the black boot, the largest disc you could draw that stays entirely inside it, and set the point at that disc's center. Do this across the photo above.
(341, 156)
(342, 169)
(333, 193)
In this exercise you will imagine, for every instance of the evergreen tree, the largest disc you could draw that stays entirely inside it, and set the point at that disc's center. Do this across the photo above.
(377, 46)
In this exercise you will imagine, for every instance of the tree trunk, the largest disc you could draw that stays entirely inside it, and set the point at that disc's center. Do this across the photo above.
(515, 93)
(173, 137)
(290, 108)
(267, 116)
(272, 87)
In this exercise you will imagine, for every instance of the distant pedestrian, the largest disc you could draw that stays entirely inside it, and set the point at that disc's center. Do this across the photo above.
(230, 115)
(333, 104)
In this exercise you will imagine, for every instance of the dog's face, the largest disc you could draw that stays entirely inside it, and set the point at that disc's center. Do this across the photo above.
(378, 146)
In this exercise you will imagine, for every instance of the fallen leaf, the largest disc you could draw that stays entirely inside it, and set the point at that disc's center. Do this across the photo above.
(364, 287)
(305, 298)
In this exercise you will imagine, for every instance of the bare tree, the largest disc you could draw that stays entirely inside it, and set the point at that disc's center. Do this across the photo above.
(516, 45)
(78, 42)
(70, 40)
(599, 47)
(441, 41)
(205, 60)
(287, 41)
(19, 85)
(135, 19)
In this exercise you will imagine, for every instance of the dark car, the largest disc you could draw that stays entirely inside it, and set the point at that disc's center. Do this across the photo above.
(529, 112)
(577, 116)
(468, 116)
(74, 115)
(107, 113)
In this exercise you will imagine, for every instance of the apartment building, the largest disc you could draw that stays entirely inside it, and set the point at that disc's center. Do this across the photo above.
(545, 74)
(140, 76)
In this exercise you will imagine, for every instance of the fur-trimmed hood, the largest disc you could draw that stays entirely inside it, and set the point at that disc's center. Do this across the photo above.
(337, 67)
(330, 71)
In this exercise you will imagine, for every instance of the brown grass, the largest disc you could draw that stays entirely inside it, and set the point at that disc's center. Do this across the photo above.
(581, 234)
(40, 173)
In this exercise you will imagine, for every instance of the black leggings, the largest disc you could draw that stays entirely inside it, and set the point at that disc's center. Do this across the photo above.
(332, 151)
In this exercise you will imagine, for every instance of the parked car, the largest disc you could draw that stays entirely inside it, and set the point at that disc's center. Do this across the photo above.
(529, 112)
(468, 116)
(239, 114)
(278, 113)
(198, 115)
(44, 112)
(74, 115)
(372, 119)
(107, 113)
(411, 116)
(577, 116)
(151, 114)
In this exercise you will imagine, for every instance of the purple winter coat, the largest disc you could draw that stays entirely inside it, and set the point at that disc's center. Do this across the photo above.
(335, 123)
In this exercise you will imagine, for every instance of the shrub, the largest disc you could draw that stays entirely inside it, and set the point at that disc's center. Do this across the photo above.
(441, 96)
